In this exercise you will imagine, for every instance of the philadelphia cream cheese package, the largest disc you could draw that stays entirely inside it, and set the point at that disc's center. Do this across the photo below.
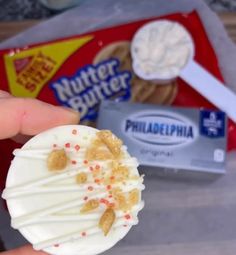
(169, 138)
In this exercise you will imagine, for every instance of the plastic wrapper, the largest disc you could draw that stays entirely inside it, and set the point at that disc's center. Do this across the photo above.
(82, 70)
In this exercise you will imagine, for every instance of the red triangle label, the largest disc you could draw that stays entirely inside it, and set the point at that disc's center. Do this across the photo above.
(21, 63)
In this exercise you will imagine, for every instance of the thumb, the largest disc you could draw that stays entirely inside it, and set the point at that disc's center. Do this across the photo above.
(31, 116)
(25, 250)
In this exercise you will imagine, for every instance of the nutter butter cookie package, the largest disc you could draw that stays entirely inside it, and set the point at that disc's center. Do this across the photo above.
(83, 70)
(172, 138)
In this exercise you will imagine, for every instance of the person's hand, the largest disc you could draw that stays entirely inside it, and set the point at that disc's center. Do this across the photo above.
(25, 250)
(30, 117)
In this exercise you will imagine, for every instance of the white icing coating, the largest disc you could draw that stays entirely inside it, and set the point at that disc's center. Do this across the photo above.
(45, 206)
(77, 235)
(67, 218)
(161, 49)
(68, 188)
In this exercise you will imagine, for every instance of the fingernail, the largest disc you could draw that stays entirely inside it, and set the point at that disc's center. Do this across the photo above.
(70, 109)
(74, 112)
(4, 94)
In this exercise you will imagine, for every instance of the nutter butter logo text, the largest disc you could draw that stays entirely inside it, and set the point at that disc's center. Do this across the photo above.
(160, 129)
(92, 84)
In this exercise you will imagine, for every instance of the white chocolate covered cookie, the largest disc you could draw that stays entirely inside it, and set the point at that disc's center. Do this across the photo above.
(73, 190)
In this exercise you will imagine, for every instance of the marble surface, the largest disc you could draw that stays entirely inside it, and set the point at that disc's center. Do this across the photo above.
(33, 9)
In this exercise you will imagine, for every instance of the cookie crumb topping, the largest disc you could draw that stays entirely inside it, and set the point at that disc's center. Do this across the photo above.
(81, 178)
(111, 141)
(107, 220)
(90, 206)
(110, 178)
(57, 160)
(105, 146)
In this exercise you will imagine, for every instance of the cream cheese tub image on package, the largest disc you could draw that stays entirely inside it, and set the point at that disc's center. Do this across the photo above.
(73, 190)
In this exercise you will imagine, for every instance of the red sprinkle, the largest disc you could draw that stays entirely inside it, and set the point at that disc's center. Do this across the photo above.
(112, 177)
(85, 198)
(54, 145)
(56, 245)
(85, 161)
(90, 188)
(128, 217)
(77, 147)
(97, 167)
(83, 233)
(73, 162)
(74, 132)
(108, 187)
(91, 168)
(110, 196)
(97, 181)
(67, 145)
(104, 201)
